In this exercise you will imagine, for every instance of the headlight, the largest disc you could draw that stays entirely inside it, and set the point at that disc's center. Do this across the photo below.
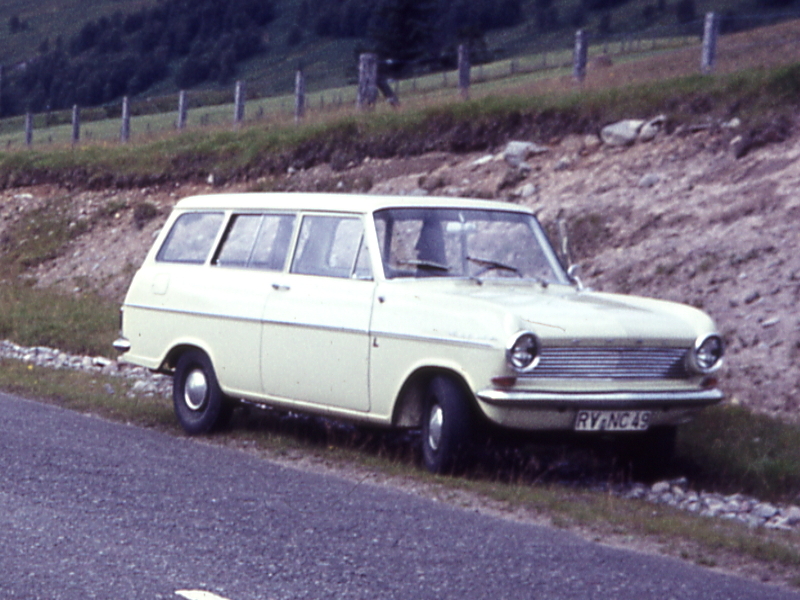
(706, 356)
(523, 351)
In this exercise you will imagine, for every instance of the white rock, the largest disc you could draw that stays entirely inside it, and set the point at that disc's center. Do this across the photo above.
(527, 190)
(660, 487)
(779, 523)
(649, 180)
(791, 514)
(765, 510)
(621, 133)
(563, 164)
(652, 128)
(483, 160)
(770, 322)
(516, 152)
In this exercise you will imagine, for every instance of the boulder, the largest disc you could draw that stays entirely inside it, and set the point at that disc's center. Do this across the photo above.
(652, 128)
(621, 133)
(517, 152)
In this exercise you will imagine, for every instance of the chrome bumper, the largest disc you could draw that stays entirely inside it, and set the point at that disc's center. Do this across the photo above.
(122, 344)
(599, 399)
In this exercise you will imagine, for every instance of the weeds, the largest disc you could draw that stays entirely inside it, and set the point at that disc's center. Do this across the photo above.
(85, 324)
(733, 450)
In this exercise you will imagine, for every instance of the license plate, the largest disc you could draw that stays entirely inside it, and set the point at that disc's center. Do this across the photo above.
(612, 420)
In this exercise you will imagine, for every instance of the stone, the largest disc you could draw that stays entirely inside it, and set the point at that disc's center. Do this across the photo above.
(660, 487)
(621, 133)
(527, 190)
(778, 523)
(649, 180)
(771, 322)
(483, 160)
(752, 297)
(563, 164)
(100, 361)
(792, 515)
(517, 152)
(652, 128)
(591, 141)
(765, 510)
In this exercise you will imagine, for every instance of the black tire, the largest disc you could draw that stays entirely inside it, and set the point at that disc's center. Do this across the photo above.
(447, 425)
(200, 405)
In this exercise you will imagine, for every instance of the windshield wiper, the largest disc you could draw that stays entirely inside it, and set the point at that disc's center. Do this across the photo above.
(425, 265)
(490, 265)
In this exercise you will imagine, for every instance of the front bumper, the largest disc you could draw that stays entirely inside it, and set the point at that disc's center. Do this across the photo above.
(600, 400)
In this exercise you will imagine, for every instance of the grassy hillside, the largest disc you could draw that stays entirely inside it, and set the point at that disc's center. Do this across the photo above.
(330, 62)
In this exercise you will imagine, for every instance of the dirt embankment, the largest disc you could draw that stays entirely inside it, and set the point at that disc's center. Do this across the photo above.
(680, 218)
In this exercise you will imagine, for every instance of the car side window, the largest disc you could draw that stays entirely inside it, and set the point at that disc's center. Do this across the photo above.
(332, 247)
(191, 238)
(256, 241)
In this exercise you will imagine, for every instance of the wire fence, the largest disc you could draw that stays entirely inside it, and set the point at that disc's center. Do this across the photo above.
(739, 42)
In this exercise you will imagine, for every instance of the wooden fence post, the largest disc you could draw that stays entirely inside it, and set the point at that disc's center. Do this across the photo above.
(367, 81)
(28, 128)
(710, 32)
(239, 101)
(299, 96)
(125, 128)
(463, 71)
(182, 109)
(76, 124)
(579, 56)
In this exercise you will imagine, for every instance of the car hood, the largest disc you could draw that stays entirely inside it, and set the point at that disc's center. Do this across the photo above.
(562, 314)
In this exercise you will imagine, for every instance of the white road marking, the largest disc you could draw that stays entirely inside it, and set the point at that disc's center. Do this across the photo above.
(198, 595)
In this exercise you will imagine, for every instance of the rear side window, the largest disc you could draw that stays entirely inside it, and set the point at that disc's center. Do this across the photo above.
(191, 238)
(256, 241)
(332, 247)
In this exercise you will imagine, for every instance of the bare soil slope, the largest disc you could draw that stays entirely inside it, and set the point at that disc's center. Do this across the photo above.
(679, 218)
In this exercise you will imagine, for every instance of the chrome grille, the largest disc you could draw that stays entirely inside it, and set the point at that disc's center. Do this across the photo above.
(611, 363)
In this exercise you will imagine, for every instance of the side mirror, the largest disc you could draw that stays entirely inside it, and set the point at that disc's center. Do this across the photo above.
(572, 273)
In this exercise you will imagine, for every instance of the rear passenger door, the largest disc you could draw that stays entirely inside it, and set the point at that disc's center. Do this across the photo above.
(315, 344)
(254, 246)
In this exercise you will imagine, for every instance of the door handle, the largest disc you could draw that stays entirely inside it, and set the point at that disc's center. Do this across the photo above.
(280, 287)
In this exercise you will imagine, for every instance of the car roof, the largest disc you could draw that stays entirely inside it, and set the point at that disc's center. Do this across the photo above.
(354, 203)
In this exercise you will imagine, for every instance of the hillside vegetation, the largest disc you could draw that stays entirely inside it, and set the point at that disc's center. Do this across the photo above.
(58, 54)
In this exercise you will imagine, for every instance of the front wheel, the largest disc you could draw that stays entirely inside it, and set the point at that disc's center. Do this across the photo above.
(446, 425)
(200, 405)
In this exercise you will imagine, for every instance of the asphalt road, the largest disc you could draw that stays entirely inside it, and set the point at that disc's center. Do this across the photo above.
(93, 509)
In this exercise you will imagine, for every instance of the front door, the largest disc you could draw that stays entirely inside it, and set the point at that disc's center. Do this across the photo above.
(315, 335)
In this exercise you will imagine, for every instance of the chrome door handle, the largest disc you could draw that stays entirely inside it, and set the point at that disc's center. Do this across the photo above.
(279, 286)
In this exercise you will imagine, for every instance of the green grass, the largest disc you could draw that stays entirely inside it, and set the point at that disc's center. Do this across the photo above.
(267, 147)
(81, 324)
(733, 450)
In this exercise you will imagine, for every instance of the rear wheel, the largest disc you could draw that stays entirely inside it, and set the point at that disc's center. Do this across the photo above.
(199, 403)
(446, 425)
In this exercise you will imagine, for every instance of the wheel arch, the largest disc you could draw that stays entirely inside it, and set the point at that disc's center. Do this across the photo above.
(173, 356)
(408, 408)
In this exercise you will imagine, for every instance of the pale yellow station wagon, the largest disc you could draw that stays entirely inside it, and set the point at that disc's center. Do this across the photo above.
(441, 314)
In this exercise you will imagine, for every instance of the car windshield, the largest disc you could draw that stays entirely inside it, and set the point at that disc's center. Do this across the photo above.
(453, 242)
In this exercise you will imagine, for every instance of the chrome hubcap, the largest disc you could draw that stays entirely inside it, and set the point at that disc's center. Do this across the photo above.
(195, 390)
(435, 427)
